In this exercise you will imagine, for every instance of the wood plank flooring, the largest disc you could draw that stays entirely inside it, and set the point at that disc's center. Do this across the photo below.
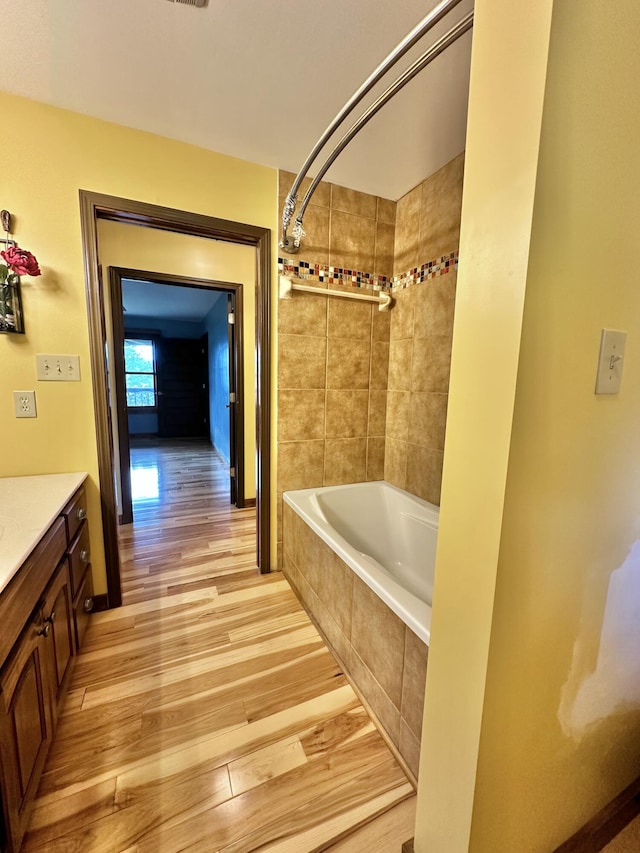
(206, 714)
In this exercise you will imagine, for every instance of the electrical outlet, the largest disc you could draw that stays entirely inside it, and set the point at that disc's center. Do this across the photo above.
(58, 368)
(24, 404)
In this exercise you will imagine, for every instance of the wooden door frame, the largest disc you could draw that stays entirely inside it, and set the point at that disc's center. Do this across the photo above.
(95, 206)
(116, 275)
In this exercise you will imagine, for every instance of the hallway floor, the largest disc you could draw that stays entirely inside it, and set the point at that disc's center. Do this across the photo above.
(206, 714)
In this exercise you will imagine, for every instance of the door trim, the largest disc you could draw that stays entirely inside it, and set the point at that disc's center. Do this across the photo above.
(95, 206)
(116, 275)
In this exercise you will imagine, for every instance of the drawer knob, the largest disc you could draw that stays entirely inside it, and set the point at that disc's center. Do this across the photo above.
(81, 514)
(87, 604)
(84, 556)
(44, 631)
(52, 618)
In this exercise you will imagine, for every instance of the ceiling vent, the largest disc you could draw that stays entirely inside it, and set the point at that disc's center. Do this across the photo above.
(191, 2)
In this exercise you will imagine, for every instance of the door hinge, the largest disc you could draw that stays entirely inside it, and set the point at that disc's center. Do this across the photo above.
(232, 396)
(232, 472)
(231, 318)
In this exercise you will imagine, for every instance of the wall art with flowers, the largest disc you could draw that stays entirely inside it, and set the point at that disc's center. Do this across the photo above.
(14, 262)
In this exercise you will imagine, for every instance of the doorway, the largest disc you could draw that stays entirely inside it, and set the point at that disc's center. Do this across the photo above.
(176, 398)
(95, 207)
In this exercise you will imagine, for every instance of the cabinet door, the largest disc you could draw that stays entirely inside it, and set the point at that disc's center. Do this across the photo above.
(58, 615)
(25, 728)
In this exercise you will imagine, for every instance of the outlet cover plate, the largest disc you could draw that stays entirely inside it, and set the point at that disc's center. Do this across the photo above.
(24, 404)
(58, 368)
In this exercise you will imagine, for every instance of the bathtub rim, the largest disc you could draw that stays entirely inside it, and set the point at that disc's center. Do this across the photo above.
(415, 613)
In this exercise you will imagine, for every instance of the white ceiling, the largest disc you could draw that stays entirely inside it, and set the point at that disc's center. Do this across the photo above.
(164, 301)
(258, 79)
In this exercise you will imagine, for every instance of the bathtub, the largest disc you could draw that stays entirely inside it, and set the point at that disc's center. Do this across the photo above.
(385, 535)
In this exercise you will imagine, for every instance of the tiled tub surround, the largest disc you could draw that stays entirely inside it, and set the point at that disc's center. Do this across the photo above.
(385, 661)
(362, 395)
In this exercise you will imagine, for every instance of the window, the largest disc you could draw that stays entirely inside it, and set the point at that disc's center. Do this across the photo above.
(140, 373)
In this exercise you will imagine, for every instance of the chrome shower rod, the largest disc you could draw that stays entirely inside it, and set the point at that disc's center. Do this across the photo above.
(427, 23)
(428, 56)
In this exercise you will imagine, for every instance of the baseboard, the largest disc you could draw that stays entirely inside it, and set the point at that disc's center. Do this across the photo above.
(606, 824)
(100, 602)
(407, 847)
(249, 502)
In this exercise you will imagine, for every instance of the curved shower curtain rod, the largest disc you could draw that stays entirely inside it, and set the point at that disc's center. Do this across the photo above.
(292, 243)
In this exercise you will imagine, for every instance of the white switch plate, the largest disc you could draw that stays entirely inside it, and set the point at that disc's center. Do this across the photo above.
(58, 368)
(24, 404)
(610, 361)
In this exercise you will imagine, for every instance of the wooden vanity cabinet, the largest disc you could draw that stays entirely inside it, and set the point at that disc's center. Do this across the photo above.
(43, 611)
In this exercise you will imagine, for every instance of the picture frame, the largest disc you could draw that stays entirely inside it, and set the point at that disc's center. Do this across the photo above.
(11, 313)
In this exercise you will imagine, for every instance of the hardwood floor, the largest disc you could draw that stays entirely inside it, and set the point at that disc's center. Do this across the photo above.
(206, 714)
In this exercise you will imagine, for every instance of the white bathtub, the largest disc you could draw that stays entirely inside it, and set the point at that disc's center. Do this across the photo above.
(387, 537)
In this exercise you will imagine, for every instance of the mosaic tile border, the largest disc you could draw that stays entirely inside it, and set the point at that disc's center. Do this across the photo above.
(432, 269)
(325, 274)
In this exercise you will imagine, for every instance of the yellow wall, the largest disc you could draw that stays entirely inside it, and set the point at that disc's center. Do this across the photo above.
(148, 249)
(523, 745)
(561, 723)
(49, 155)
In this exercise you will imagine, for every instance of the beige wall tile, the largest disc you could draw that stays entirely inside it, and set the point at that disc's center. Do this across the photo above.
(352, 242)
(335, 588)
(303, 314)
(409, 748)
(440, 225)
(347, 413)
(301, 361)
(345, 461)
(377, 635)
(385, 242)
(414, 679)
(446, 179)
(301, 414)
(400, 357)
(424, 473)
(377, 699)
(386, 211)
(434, 304)
(289, 570)
(381, 325)
(348, 363)
(398, 410)
(353, 201)
(332, 633)
(300, 464)
(402, 314)
(375, 458)
(314, 246)
(288, 528)
(321, 196)
(407, 237)
(349, 319)
(428, 419)
(377, 413)
(431, 364)
(279, 517)
(395, 462)
(379, 365)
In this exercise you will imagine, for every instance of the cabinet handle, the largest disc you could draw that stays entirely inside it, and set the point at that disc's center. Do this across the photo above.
(84, 556)
(81, 514)
(52, 618)
(87, 604)
(44, 631)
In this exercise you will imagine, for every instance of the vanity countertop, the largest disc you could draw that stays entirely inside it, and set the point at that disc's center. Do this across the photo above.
(28, 506)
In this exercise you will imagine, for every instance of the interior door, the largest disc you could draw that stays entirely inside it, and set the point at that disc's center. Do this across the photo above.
(182, 402)
(233, 400)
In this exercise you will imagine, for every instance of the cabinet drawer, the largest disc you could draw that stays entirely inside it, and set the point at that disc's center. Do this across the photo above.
(75, 512)
(79, 557)
(83, 606)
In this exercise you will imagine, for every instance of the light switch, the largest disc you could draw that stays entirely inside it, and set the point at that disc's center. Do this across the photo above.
(58, 368)
(611, 361)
